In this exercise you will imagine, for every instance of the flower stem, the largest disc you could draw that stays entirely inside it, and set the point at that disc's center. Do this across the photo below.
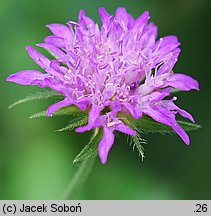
(79, 178)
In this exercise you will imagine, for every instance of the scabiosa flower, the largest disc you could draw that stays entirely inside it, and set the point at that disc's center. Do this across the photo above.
(119, 67)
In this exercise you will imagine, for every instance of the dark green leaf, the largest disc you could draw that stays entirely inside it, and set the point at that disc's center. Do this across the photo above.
(91, 148)
(37, 96)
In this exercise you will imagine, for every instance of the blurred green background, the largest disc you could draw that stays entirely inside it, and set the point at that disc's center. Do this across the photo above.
(36, 161)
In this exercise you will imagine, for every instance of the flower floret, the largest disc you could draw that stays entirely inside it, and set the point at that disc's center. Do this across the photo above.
(119, 67)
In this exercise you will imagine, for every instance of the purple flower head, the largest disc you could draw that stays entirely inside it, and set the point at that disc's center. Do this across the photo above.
(119, 67)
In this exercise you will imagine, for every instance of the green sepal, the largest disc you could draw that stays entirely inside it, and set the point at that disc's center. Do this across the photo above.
(137, 143)
(74, 123)
(91, 148)
(175, 90)
(37, 96)
(147, 124)
(39, 114)
(50, 53)
(69, 110)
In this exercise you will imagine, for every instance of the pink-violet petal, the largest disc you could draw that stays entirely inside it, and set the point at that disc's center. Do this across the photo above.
(183, 82)
(59, 105)
(94, 113)
(55, 41)
(38, 58)
(27, 77)
(105, 144)
(55, 50)
(125, 129)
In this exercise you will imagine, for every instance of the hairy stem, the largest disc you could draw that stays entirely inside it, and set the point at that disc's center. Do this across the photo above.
(79, 178)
